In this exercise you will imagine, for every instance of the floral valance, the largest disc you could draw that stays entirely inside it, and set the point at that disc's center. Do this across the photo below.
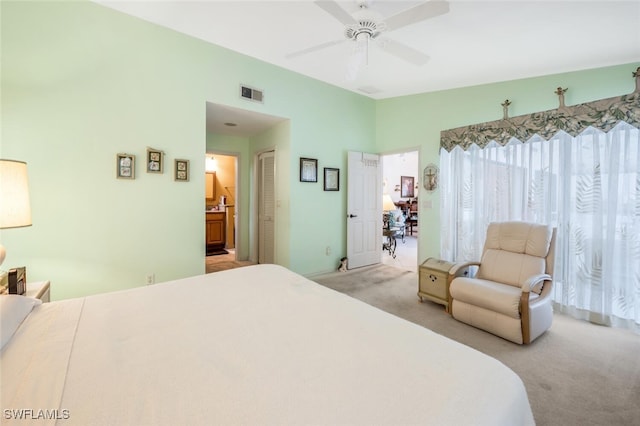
(603, 114)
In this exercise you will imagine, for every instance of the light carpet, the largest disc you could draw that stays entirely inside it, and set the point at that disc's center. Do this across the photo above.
(576, 373)
(226, 264)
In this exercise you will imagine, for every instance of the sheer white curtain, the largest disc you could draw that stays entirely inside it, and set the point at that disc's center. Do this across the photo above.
(587, 186)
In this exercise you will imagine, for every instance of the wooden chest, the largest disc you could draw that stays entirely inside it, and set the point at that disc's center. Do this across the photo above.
(435, 276)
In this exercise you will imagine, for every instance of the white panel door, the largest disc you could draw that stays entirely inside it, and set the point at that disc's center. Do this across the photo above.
(266, 207)
(364, 209)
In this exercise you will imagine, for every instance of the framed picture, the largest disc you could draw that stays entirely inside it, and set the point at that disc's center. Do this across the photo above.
(308, 170)
(331, 179)
(430, 177)
(406, 187)
(126, 166)
(182, 170)
(155, 161)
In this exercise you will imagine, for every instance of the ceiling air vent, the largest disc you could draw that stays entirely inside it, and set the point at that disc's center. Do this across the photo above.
(250, 93)
(369, 90)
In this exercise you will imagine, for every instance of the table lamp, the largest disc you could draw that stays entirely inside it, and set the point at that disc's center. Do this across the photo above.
(387, 206)
(387, 203)
(15, 209)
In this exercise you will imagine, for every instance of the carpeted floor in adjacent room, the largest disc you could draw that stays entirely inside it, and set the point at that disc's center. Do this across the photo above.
(223, 262)
(576, 373)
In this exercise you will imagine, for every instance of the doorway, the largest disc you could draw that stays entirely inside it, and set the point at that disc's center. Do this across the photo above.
(220, 183)
(242, 134)
(396, 168)
(220, 205)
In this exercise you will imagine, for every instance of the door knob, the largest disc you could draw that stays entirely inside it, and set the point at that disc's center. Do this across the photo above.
(351, 216)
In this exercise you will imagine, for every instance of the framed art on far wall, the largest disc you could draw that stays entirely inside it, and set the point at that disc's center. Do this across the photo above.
(126, 166)
(331, 179)
(406, 187)
(308, 170)
(155, 161)
(182, 170)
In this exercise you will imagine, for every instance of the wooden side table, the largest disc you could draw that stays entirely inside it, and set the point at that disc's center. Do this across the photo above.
(435, 276)
(39, 290)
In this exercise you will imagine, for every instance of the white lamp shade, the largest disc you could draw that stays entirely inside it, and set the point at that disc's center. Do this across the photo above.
(387, 203)
(15, 209)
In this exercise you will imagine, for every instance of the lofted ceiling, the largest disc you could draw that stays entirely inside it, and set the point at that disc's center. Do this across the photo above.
(476, 42)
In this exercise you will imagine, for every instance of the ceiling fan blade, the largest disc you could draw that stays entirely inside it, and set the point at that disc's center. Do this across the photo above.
(419, 13)
(315, 48)
(403, 52)
(334, 9)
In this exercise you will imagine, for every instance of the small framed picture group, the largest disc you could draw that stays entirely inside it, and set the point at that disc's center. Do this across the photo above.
(309, 173)
(126, 165)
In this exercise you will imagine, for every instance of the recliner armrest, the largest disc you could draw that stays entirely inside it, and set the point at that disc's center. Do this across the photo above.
(533, 281)
(458, 269)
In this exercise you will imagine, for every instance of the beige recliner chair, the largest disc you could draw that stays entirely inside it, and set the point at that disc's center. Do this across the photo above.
(510, 296)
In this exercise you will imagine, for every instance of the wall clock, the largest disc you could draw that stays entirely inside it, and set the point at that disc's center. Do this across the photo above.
(430, 177)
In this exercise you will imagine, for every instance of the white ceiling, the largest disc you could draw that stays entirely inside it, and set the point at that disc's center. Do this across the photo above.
(476, 42)
(226, 120)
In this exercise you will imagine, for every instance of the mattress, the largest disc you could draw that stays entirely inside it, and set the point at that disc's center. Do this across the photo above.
(254, 345)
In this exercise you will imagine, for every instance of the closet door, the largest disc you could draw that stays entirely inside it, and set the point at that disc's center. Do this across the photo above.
(266, 207)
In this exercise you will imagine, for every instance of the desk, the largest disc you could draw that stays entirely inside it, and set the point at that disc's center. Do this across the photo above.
(391, 243)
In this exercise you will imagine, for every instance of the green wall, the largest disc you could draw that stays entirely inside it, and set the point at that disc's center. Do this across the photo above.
(410, 121)
(81, 83)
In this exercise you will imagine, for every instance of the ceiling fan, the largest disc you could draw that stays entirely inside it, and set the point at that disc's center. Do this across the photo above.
(367, 25)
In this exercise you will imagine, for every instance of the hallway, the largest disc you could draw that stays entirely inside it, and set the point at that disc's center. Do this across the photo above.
(406, 254)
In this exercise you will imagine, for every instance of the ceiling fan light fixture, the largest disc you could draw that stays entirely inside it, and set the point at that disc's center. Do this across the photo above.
(371, 28)
(362, 47)
(368, 24)
(361, 34)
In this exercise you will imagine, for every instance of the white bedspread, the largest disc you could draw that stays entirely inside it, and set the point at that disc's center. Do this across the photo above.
(254, 345)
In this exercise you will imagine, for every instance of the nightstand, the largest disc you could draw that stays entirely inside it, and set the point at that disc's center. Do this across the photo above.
(39, 290)
(434, 277)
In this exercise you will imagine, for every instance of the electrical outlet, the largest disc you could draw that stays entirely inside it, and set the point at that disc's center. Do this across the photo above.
(328, 251)
(151, 278)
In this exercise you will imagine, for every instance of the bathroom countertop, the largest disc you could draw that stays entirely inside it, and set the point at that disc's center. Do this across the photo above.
(219, 210)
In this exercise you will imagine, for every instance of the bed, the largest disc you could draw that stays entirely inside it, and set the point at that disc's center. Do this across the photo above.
(254, 345)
